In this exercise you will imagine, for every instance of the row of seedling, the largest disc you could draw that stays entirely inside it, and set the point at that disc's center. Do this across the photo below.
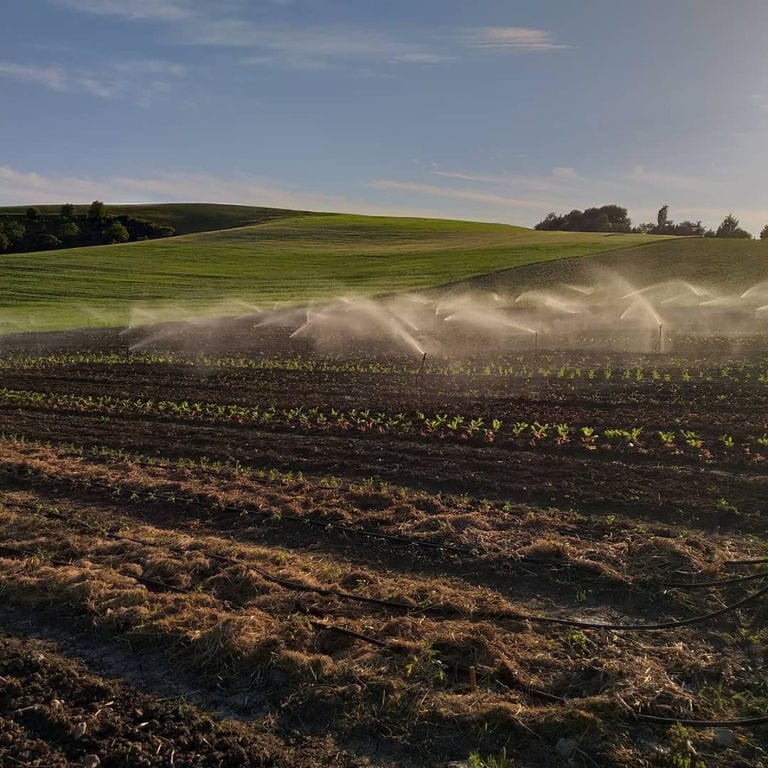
(516, 368)
(442, 426)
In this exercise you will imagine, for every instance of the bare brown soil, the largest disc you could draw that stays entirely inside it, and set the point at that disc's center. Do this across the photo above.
(198, 591)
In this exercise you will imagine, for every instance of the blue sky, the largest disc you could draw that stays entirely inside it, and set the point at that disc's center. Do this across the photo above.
(494, 110)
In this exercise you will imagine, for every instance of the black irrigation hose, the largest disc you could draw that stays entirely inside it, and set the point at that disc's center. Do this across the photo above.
(529, 689)
(325, 627)
(649, 627)
(694, 723)
(758, 561)
(383, 644)
(446, 611)
(718, 582)
(319, 625)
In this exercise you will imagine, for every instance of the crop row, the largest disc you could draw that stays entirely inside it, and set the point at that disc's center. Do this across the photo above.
(543, 367)
(442, 426)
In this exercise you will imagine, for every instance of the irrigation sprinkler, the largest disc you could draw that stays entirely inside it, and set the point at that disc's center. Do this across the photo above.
(661, 346)
(421, 367)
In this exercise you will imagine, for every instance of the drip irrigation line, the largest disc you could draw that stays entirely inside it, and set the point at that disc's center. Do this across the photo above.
(530, 690)
(318, 625)
(447, 611)
(321, 625)
(649, 627)
(344, 631)
(695, 723)
(717, 582)
(758, 561)
(444, 611)
(394, 538)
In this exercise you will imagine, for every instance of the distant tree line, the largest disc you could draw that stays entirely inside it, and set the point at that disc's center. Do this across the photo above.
(607, 218)
(613, 218)
(35, 231)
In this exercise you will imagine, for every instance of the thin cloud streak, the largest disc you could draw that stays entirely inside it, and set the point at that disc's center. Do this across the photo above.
(315, 47)
(568, 179)
(140, 82)
(476, 196)
(54, 78)
(25, 188)
(555, 181)
(308, 48)
(156, 10)
(670, 180)
(511, 38)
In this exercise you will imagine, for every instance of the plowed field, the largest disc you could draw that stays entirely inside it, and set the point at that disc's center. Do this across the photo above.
(272, 559)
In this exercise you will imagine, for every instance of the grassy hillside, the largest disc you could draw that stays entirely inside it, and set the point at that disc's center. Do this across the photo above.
(727, 265)
(289, 260)
(183, 217)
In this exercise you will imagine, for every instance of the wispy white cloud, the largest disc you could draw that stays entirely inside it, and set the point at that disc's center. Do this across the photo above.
(319, 44)
(561, 177)
(150, 68)
(670, 181)
(511, 38)
(310, 47)
(297, 46)
(27, 188)
(566, 180)
(140, 82)
(423, 57)
(54, 78)
(158, 10)
(565, 172)
(471, 195)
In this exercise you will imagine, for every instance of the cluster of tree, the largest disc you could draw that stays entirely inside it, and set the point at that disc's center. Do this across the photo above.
(607, 218)
(665, 226)
(35, 231)
(613, 218)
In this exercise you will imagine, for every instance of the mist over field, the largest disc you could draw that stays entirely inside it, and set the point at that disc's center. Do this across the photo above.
(610, 313)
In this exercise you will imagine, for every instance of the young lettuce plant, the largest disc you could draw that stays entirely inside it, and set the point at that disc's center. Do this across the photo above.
(589, 438)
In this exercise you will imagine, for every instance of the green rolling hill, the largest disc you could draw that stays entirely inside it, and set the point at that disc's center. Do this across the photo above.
(293, 257)
(727, 265)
